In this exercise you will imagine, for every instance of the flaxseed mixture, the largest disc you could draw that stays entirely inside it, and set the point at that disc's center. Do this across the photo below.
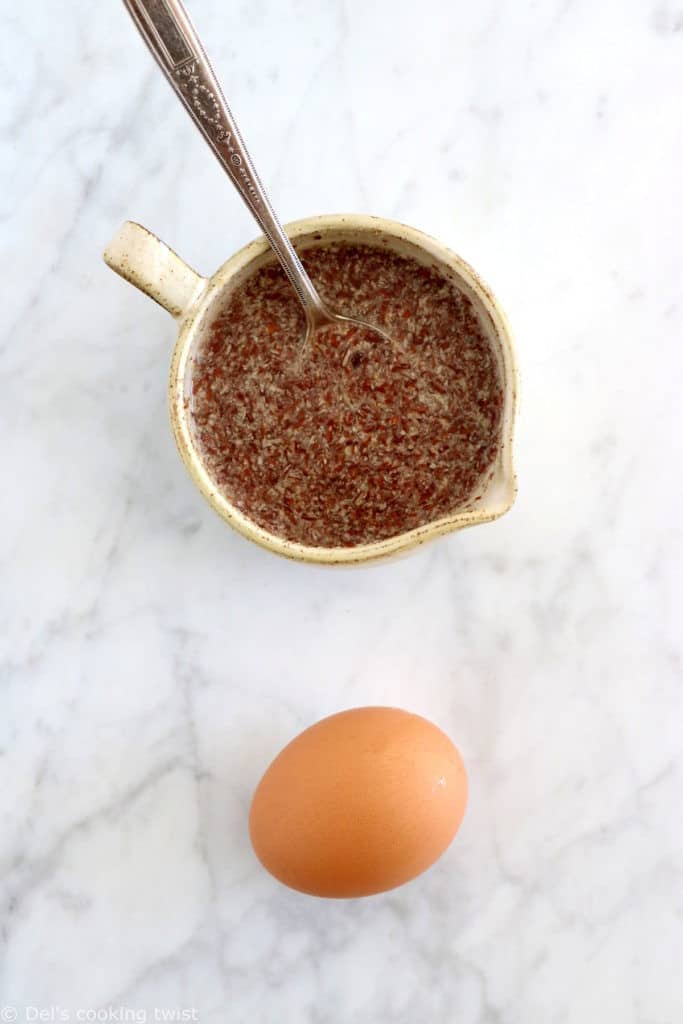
(352, 440)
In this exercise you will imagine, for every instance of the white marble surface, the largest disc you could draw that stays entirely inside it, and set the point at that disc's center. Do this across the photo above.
(152, 662)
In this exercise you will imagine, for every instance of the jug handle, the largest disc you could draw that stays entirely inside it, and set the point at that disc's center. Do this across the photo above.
(148, 263)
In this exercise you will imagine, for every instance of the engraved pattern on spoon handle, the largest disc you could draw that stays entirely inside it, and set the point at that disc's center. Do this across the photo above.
(170, 36)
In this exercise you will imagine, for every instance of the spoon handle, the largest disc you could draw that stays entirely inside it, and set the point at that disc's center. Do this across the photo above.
(170, 36)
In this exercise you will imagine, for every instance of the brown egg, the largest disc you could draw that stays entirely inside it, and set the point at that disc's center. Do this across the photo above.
(359, 803)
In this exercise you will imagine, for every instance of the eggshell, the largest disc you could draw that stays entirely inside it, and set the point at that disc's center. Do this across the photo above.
(358, 803)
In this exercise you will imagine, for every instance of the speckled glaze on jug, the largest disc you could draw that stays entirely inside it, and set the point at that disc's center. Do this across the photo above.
(145, 261)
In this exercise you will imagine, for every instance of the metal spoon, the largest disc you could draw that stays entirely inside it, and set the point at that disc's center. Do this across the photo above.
(168, 32)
